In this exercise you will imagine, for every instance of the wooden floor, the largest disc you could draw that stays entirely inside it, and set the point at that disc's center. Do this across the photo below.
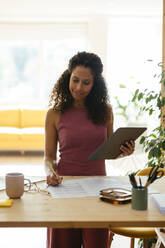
(31, 164)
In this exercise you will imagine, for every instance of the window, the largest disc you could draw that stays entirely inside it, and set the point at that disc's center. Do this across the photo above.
(19, 63)
(32, 56)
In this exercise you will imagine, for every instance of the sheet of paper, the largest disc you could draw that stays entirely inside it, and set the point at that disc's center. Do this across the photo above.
(83, 187)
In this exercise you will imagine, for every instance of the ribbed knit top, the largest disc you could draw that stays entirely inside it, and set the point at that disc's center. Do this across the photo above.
(79, 137)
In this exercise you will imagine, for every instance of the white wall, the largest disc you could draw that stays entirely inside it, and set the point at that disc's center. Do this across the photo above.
(54, 8)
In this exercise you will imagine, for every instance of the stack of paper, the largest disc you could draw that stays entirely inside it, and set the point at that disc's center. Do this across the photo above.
(159, 202)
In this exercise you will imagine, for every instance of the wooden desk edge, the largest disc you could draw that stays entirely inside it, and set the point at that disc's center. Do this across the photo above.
(79, 224)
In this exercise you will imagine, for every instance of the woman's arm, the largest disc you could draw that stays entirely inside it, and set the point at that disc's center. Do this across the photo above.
(51, 124)
(50, 135)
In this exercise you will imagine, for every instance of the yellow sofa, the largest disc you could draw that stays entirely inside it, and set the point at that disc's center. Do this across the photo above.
(22, 129)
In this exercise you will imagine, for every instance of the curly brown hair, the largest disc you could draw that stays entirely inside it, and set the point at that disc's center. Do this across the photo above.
(97, 100)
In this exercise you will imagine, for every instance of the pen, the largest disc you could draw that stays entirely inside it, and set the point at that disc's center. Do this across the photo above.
(140, 181)
(51, 168)
(133, 180)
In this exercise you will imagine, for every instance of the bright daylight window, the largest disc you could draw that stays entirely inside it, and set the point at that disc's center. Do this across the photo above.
(19, 77)
(135, 49)
(33, 56)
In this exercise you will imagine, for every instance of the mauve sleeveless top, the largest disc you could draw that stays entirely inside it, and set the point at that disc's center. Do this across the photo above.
(79, 137)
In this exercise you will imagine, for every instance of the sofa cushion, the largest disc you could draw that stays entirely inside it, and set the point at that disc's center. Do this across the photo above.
(35, 145)
(11, 144)
(32, 118)
(10, 118)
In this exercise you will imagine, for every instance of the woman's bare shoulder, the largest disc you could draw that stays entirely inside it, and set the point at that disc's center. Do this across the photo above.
(53, 113)
(53, 116)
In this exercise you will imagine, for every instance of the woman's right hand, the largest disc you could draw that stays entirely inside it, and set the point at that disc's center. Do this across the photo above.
(54, 180)
(52, 177)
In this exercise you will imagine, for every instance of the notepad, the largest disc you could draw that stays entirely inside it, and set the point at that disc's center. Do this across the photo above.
(6, 203)
(159, 201)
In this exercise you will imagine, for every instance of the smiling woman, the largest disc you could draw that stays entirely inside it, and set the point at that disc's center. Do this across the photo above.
(79, 120)
(81, 83)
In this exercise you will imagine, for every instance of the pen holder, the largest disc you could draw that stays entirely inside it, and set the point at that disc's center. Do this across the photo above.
(139, 198)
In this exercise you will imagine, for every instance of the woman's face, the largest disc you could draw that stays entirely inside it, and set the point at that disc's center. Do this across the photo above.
(81, 83)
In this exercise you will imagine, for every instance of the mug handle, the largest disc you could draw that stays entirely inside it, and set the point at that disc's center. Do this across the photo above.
(29, 185)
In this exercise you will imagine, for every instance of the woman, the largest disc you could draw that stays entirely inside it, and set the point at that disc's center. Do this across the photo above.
(80, 120)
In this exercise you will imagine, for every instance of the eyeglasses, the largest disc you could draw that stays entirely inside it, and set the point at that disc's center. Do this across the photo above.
(34, 188)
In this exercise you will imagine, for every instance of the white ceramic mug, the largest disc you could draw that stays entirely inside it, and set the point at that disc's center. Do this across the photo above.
(15, 185)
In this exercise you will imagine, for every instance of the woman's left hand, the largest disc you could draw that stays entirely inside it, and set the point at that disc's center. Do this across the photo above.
(128, 148)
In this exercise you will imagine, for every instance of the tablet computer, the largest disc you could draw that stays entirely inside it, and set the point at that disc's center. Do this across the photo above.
(110, 149)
